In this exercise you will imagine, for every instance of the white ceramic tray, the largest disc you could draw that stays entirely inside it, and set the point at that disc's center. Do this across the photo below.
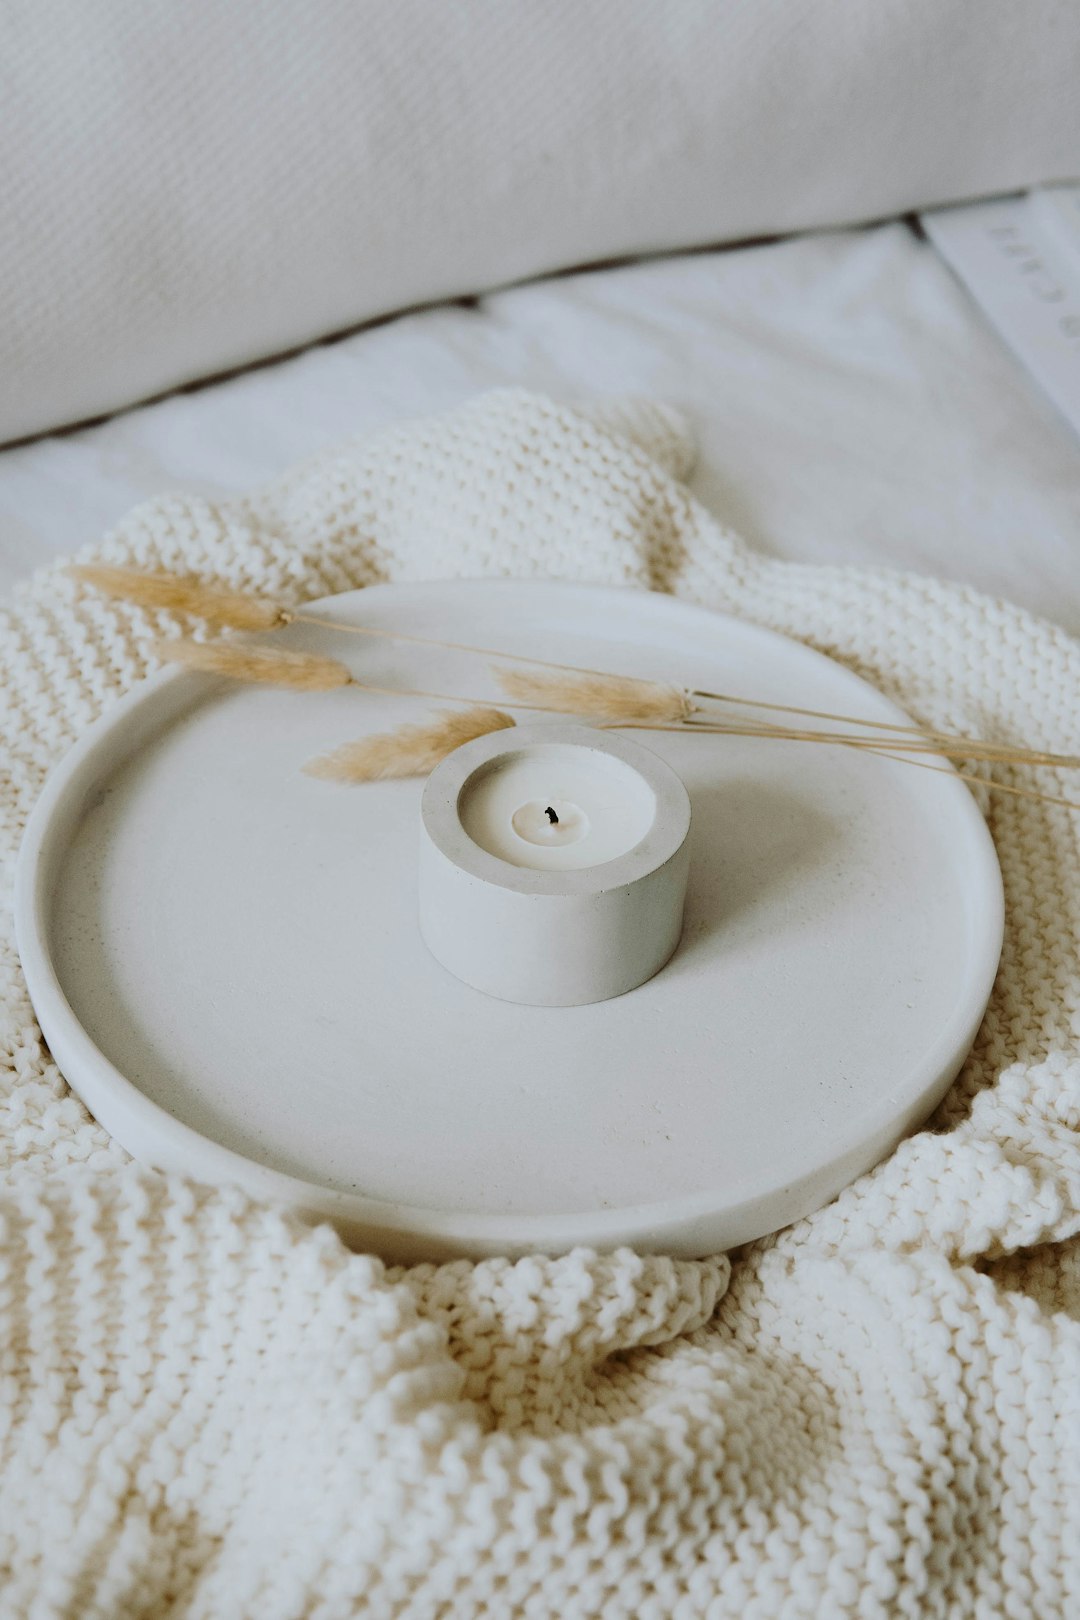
(224, 956)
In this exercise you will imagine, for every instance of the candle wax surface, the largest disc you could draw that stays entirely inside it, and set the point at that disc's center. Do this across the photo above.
(603, 807)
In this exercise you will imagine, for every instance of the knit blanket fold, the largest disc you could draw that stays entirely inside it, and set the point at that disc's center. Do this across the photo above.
(209, 1410)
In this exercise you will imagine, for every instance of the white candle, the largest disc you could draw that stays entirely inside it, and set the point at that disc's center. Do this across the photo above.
(557, 807)
(553, 863)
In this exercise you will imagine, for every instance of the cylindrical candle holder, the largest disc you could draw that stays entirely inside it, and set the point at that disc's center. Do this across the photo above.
(553, 864)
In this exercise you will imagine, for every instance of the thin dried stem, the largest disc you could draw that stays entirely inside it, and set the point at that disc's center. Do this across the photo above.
(609, 696)
(880, 749)
(983, 781)
(410, 750)
(822, 714)
(959, 749)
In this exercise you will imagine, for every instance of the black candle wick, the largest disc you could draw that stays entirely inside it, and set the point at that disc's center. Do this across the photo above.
(552, 817)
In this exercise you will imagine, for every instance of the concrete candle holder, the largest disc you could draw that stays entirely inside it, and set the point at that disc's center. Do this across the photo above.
(553, 864)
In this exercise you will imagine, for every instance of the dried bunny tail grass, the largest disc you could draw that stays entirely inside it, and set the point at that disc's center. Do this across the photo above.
(608, 697)
(408, 751)
(180, 593)
(302, 672)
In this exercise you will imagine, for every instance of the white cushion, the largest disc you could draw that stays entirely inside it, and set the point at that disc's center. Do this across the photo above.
(188, 188)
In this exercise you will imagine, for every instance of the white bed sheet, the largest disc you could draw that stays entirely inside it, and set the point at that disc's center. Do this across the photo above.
(850, 406)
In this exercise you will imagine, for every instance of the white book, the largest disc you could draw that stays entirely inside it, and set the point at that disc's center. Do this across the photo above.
(1057, 210)
(1017, 260)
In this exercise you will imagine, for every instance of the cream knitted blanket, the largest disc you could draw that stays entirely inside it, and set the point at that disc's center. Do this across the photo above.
(208, 1410)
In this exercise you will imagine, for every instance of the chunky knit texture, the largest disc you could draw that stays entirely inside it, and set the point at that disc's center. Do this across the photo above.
(208, 1410)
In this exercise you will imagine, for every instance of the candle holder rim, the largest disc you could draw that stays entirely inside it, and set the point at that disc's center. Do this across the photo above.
(443, 790)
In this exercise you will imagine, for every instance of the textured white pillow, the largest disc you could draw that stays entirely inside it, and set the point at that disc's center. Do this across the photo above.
(190, 187)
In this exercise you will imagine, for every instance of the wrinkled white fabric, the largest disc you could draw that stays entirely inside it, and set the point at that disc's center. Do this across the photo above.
(207, 1410)
(849, 402)
(191, 188)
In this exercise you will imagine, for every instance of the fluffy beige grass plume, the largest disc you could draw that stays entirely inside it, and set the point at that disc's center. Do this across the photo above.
(301, 672)
(410, 750)
(182, 593)
(607, 697)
